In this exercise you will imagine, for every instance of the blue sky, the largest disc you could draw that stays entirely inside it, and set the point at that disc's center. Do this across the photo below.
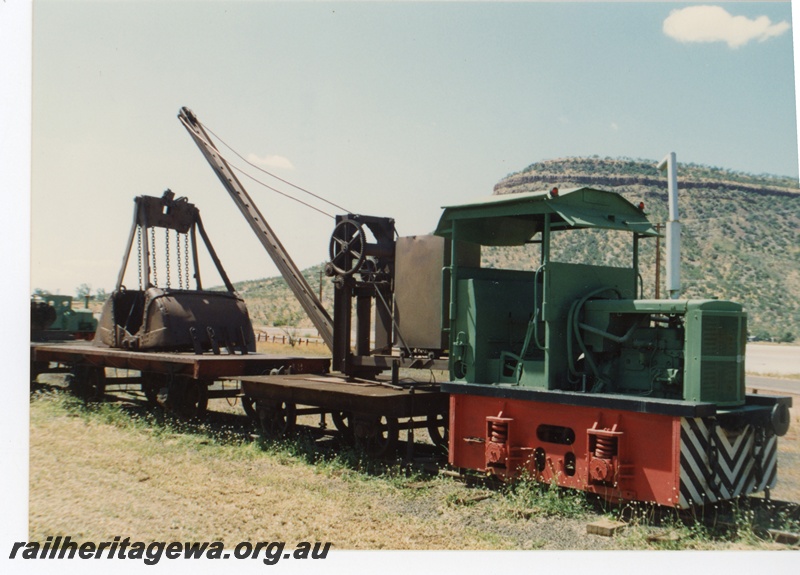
(384, 108)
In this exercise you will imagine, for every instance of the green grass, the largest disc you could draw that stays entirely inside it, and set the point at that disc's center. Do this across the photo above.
(527, 498)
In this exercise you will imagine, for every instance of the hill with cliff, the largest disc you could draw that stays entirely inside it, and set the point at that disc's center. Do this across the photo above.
(739, 239)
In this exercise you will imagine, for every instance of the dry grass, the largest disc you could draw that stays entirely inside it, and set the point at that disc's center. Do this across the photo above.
(312, 348)
(112, 469)
(96, 479)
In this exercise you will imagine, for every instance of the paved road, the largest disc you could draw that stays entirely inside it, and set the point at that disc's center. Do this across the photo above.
(772, 384)
(775, 360)
(772, 359)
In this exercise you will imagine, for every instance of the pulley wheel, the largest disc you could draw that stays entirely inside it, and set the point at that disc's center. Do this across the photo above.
(348, 247)
(368, 271)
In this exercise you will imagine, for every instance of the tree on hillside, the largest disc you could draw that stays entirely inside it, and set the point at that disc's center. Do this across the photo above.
(83, 291)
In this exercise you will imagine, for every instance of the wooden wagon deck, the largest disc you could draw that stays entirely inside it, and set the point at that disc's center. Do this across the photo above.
(340, 394)
(201, 367)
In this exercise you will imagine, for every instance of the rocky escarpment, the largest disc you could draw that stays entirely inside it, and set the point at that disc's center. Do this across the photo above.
(739, 232)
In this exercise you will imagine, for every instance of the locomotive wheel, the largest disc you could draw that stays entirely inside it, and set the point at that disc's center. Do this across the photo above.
(348, 247)
(376, 436)
(439, 430)
(342, 421)
(277, 418)
(87, 382)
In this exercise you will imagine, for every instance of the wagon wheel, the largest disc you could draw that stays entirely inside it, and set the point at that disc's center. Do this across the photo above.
(195, 400)
(348, 247)
(87, 382)
(187, 397)
(38, 367)
(277, 418)
(342, 421)
(439, 430)
(377, 436)
(249, 405)
(153, 384)
(150, 391)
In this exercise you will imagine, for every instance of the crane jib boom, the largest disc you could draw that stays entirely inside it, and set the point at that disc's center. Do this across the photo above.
(297, 283)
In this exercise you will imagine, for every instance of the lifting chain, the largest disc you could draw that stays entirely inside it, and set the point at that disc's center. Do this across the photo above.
(178, 251)
(139, 258)
(186, 259)
(153, 254)
(166, 249)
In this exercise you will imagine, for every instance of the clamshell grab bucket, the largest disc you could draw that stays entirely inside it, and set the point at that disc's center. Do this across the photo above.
(160, 319)
(157, 318)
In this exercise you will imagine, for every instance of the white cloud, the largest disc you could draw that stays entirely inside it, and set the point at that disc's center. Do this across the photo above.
(615, 126)
(715, 24)
(271, 161)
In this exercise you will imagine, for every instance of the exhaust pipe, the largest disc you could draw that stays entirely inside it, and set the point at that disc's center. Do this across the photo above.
(673, 228)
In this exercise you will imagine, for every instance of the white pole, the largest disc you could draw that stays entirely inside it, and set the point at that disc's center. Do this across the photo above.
(673, 228)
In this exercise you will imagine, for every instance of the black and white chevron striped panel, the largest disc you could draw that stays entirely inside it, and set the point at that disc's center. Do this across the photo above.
(717, 465)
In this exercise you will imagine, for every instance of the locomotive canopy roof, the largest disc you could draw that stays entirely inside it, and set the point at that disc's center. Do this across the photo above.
(514, 219)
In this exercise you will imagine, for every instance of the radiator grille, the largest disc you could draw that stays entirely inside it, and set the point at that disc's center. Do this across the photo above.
(721, 336)
(722, 352)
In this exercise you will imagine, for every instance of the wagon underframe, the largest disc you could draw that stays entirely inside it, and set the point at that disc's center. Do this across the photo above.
(180, 380)
(371, 413)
